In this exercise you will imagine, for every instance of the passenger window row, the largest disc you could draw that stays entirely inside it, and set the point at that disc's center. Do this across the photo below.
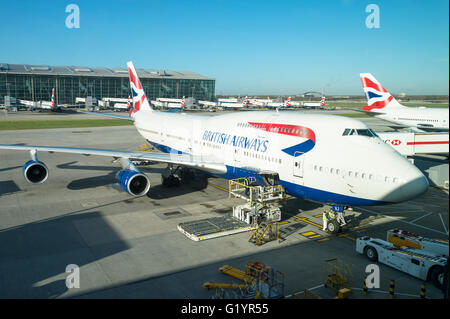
(263, 157)
(425, 120)
(353, 174)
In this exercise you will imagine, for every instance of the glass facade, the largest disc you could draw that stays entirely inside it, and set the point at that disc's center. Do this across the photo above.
(36, 87)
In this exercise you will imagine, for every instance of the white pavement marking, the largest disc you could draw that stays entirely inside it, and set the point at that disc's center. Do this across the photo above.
(289, 296)
(387, 292)
(316, 287)
(403, 221)
(443, 224)
(421, 217)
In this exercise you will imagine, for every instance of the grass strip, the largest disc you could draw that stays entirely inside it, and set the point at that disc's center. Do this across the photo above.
(48, 124)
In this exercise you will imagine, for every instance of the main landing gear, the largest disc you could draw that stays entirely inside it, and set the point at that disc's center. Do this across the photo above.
(183, 175)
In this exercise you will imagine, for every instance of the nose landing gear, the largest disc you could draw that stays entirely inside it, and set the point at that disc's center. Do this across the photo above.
(334, 220)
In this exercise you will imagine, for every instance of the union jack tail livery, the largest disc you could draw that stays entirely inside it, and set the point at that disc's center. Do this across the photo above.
(288, 102)
(139, 99)
(322, 101)
(377, 96)
(129, 102)
(53, 98)
(245, 102)
(182, 102)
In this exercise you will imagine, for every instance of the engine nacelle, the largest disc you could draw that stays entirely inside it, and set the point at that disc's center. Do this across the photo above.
(133, 182)
(35, 172)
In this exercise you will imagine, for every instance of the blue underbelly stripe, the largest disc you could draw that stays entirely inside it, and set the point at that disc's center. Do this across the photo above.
(290, 188)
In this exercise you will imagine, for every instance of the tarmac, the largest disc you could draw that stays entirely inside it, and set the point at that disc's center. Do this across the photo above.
(130, 247)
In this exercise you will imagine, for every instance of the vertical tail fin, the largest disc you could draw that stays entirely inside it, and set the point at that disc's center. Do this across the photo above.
(322, 101)
(245, 102)
(53, 98)
(129, 102)
(182, 102)
(140, 101)
(288, 102)
(377, 96)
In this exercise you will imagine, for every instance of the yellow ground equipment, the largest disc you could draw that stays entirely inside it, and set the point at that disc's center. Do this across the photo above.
(265, 232)
(212, 285)
(236, 273)
(343, 293)
(403, 238)
(260, 281)
(337, 274)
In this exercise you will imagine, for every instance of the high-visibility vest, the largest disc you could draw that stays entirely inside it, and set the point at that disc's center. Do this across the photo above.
(328, 215)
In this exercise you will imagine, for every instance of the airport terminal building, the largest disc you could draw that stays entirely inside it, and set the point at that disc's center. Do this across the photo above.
(35, 83)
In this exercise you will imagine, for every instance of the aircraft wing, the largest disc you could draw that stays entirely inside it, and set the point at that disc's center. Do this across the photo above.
(391, 125)
(198, 162)
(432, 128)
(371, 113)
(418, 128)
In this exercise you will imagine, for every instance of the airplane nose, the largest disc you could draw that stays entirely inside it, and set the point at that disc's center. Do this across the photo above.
(412, 184)
(415, 186)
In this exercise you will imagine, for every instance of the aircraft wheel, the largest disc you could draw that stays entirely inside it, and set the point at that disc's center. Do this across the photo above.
(186, 175)
(164, 181)
(333, 226)
(170, 181)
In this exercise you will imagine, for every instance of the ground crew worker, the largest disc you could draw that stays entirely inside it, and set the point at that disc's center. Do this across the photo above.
(340, 218)
(326, 217)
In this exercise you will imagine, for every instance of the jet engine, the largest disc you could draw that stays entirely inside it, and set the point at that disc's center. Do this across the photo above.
(35, 172)
(133, 182)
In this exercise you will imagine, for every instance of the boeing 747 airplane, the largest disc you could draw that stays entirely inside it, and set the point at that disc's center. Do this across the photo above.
(324, 158)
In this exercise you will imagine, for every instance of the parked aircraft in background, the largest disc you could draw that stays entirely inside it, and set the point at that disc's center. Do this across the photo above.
(122, 106)
(234, 105)
(313, 105)
(383, 105)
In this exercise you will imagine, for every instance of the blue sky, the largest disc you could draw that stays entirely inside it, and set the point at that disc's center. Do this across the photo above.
(249, 47)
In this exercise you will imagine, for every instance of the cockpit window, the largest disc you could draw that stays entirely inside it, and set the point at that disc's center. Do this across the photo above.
(373, 132)
(347, 130)
(365, 132)
(361, 132)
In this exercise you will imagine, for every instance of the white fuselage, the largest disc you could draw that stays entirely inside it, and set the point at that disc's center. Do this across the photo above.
(416, 117)
(311, 104)
(232, 105)
(308, 151)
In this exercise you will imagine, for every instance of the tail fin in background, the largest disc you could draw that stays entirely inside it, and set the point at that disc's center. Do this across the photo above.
(140, 101)
(245, 102)
(129, 102)
(377, 96)
(288, 102)
(53, 98)
(182, 102)
(322, 101)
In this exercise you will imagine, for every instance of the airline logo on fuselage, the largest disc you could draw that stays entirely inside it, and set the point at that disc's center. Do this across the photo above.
(255, 144)
(291, 130)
